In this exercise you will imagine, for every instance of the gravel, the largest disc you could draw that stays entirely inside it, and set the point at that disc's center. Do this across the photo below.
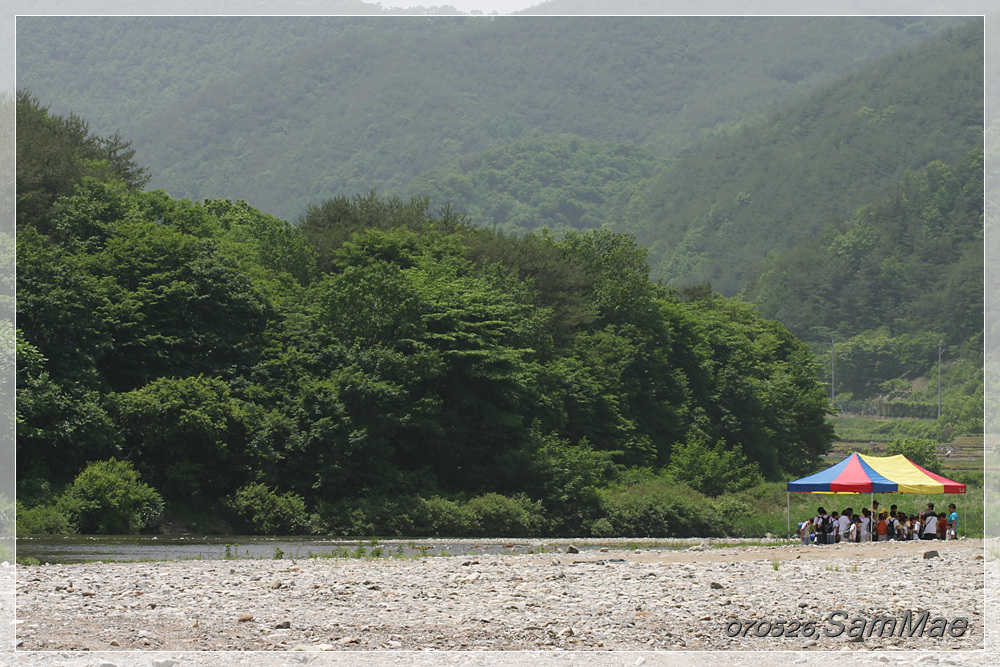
(586, 608)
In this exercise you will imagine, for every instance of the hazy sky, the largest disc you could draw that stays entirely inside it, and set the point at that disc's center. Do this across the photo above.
(485, 6)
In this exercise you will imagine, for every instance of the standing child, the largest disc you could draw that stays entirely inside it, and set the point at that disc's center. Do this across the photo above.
(900, 526)
(942, 526)
(882, 527)
(952, 533)
(866, 525)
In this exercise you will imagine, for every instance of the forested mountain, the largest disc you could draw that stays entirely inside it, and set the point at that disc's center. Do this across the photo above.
(561, 182)
(910, 262)
(377, 351)
(289, 112)
(714, 215)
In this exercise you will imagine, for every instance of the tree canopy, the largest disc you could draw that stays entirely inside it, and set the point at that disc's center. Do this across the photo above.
(376, 350)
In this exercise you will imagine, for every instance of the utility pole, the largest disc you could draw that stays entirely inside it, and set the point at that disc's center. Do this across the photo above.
(833, 381)
(940, 342)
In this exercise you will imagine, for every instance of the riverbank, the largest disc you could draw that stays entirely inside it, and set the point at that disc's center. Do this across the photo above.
(589, 601)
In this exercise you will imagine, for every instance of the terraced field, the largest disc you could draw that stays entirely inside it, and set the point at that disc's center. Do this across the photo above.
(873, 434)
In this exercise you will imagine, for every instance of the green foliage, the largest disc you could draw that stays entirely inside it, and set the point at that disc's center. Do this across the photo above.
(265, 511)
(56, 153)
(8, 511)
(494, 515)
(380, 351)
(657, 509)
(899, 275)
(566, 478)
(712, 470)
(187, 435)
(922, 451)
(286, 112)
(397, 516)
(108, 497)
(780, 181)
(42, 520)
(558, 182)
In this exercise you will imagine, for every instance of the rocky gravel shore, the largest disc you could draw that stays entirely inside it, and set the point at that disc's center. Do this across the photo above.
(612, 600)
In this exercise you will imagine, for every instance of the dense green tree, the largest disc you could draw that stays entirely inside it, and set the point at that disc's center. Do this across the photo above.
(380, 350)
(55, 153)
(110, 497)
(188, 436)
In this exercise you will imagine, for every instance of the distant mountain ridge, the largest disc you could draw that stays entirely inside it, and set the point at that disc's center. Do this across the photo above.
(717, 212)
(285, 112)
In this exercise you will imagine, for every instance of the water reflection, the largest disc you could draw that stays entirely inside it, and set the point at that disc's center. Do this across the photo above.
(88, 548)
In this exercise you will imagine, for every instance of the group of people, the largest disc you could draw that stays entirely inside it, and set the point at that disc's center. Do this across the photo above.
(879, 525)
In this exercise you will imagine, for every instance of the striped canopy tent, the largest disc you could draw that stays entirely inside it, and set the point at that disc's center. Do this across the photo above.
(873, 474)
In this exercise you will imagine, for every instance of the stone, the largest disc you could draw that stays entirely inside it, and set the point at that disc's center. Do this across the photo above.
(716, 585)
(931, 554)
(244, 617)
(572, 550)
(283, 625)
(165, 662)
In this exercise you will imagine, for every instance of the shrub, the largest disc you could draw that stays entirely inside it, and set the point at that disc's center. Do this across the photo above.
(494, 515)
(658, 509)
(440, 517)
(264, 511)
(712, 470)
(41, 520)
(109, 497)
(387, 517)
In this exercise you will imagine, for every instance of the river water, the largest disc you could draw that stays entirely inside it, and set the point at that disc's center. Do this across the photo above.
(106, 548)
(89, 548)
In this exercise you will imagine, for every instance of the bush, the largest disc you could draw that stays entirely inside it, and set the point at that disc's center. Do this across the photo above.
(264, 511)
(108, 497)
(712, 470)
(494, 515)
(42, 520)
(440, 517)
(657, 509)
(385, 517)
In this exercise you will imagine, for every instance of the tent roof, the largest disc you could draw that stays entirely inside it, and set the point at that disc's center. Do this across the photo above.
(878, 474)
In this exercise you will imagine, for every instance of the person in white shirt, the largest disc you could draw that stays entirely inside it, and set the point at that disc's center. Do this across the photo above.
(866, 525)
(844, 524)
(930, 527)
(823, 527)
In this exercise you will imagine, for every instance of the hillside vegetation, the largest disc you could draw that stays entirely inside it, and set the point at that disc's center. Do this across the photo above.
(377, 352)
(289, 112)
(714, 215)
(485, 350)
